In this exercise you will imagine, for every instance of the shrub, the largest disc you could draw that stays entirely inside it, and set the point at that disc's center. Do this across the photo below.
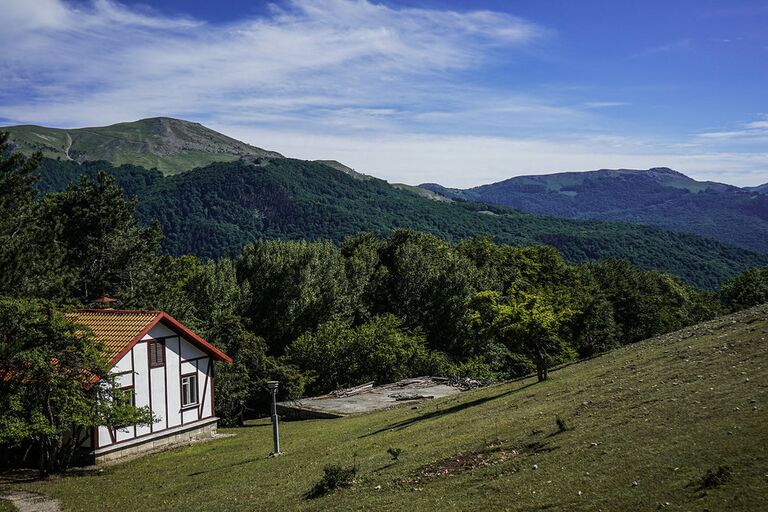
(394, 453)
(562, 426)
(716, 478)
(335, 476)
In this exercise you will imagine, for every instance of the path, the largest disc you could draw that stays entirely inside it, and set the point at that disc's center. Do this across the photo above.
(31, 501)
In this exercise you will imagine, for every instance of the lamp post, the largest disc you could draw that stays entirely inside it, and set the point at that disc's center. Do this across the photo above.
(273, 384)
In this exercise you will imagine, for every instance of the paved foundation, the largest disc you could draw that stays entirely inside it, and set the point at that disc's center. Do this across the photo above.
(355, 400)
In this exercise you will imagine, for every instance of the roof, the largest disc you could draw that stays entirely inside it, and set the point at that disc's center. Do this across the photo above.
(120, 329)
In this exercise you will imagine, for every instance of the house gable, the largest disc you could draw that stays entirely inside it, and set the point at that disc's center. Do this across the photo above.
(167, 368)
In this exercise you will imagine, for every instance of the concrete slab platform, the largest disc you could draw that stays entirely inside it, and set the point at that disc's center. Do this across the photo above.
(367, 398)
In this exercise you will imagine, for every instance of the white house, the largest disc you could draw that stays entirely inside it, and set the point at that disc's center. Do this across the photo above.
(166, 367)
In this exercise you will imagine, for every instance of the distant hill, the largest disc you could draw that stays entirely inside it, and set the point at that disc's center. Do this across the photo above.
(763, 189)
(657, 197)
(216, 209)
(170, 145)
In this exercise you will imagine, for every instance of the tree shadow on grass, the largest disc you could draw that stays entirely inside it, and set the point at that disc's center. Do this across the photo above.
(442, 412)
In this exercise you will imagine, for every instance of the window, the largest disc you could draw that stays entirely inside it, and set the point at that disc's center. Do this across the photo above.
(156, 353)
(188, 389)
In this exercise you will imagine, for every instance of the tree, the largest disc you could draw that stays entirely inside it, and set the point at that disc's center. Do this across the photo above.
(647, 303)
(241, 387)
(525, 323)
(337, 355)
(293, 288)
(746, 290)
(103, 250)
(426, 284)
(17, 219)
(56, 384)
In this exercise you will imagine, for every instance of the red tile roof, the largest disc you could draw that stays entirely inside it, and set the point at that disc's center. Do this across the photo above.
(121, 329)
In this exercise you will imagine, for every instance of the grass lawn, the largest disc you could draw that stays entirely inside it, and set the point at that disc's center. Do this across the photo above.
(5, 506)
(644, 424)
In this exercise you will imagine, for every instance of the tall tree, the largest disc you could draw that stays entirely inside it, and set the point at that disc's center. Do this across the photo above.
(104, 250)
(427, 284)
(18, 222)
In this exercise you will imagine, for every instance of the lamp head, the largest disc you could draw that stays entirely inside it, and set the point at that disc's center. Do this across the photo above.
(273, 384)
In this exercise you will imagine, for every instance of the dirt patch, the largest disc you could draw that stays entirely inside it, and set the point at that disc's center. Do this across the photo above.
(32, 501)
(461, 463)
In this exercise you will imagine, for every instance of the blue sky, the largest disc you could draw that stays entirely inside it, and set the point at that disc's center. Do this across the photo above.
(454, 92)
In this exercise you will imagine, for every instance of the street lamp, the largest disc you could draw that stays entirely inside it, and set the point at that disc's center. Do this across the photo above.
(273, 384)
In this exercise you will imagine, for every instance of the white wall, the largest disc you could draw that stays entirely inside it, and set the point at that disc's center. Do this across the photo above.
(160, 387)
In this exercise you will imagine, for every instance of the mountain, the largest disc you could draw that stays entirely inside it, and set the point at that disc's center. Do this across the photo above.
(215, 210)
(659, 197)
(170, 145)
(763, 189)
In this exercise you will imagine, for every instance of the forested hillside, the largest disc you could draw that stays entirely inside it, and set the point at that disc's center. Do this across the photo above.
(657, 197)
(217, 209)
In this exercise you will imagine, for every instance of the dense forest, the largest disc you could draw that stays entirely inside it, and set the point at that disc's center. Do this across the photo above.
(216, 210)
(314, 315)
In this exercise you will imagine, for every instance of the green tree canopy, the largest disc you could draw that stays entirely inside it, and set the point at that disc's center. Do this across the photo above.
(525, 323)
(55, 383)
(746, 290)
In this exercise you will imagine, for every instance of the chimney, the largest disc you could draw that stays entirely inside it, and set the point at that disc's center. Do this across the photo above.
(105, 303)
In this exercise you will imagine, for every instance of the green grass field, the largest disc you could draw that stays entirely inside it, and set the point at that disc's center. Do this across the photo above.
(644, 424)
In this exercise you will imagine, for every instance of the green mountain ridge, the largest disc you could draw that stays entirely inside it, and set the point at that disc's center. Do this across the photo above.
(659, 197)
(215, 210)
(213, 194)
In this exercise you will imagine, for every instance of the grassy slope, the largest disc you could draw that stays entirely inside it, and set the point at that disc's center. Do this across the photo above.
(662, 412)
(170, 145)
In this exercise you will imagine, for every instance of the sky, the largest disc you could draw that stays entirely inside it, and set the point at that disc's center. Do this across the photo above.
(459, 93)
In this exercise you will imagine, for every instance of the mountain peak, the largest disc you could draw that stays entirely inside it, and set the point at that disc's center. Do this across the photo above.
(171, 145)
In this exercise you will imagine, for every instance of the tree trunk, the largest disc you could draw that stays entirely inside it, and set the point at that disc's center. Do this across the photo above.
(542, 372)
(44, 458)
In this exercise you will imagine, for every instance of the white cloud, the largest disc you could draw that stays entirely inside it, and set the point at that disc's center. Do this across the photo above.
(464, 161)
(755, 131)
(392, 91)
(97, 63)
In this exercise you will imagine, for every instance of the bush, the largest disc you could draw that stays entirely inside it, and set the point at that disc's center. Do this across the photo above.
(716, 478)
(334, 477)
(562, 426)
(394, 453)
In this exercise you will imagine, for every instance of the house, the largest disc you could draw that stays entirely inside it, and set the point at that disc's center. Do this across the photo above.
(166, 367)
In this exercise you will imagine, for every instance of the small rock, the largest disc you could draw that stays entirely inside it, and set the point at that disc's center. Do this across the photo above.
(634, 483)
(535, 466)
(579, 493)
(378, 488)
